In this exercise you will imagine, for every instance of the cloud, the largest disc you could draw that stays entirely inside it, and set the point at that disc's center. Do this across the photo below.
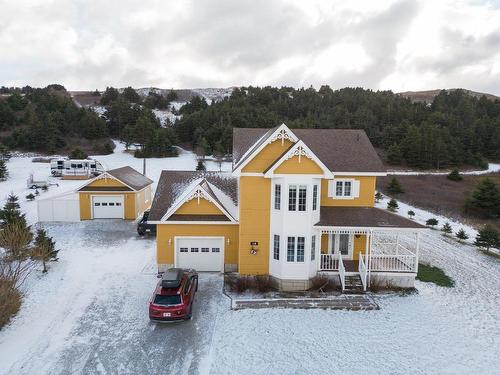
(387, 44)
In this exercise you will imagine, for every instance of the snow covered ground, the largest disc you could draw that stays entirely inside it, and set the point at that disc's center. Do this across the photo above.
(20, 168)
(88, 314)
(492, 168)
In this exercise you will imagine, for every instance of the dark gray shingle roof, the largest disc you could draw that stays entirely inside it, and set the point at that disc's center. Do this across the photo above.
(173, 184)
(341, 150)
(130, 177)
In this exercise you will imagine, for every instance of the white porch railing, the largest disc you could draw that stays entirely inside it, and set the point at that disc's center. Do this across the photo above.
(341, 271)
(393, 263)
(363, 270)
(329, 262)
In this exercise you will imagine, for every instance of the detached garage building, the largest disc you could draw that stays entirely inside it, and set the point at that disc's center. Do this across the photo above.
(121, 193)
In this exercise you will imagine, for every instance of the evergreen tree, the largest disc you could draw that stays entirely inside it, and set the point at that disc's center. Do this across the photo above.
(461, 235)
(30, 197)
(200, 166)
(130, 95)
(432, 222)
(44, 249)
(110, 95)
(394, 154)
(454, 175)
(11, 213)
(487, 237)
(411, 214)
(486, 197)
(392, 205)
(77, 154)
(4, 173)
(171, 96)
(446, 229)
(378, 196)
(394, 187)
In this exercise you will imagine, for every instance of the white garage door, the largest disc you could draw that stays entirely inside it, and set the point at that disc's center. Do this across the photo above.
(200, 253)
(107, 206)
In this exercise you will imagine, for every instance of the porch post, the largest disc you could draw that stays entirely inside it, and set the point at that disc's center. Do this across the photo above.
(417, 251)
(369, 258)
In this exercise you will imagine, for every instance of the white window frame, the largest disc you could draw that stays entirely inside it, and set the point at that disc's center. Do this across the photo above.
(276, 240)
(296, 206)
(295, 249)
(354, 191)
(315, 197)
(277, 197)
(313, 247)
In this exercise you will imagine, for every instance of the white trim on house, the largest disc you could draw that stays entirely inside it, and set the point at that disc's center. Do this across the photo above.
(121, 199)
(300, 150)
(365, 230)
(355, 188)
(104, 175)
(197, 192)
(282, 132)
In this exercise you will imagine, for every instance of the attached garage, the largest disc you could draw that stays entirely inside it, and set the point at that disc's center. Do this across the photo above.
(64, 207)
(200, 253)
(108, 207)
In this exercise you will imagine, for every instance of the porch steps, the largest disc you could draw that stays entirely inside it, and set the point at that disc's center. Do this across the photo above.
(353, 284)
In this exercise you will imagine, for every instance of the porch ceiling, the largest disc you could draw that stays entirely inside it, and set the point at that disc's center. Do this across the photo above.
(363, 217)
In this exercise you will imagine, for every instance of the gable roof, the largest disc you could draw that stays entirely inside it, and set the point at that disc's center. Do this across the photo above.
(220, 186)
(133, 180)
(130, 177)
(341, 150)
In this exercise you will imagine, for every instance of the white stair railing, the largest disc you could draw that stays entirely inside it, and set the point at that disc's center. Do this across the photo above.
(363, 271)
(341, 272)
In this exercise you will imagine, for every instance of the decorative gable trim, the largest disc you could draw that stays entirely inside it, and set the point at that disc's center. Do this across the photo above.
(300, 150)
(104, 175)
(197, 192)
(281, 133)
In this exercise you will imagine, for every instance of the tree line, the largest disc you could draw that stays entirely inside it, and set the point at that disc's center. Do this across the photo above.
(454, 129)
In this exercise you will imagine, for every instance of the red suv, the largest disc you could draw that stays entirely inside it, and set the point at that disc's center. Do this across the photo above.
(174, 295)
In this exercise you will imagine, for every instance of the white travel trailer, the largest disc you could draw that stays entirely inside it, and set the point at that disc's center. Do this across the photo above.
(75, 167)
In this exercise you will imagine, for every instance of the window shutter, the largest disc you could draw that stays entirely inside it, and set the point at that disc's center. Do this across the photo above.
(355, 188)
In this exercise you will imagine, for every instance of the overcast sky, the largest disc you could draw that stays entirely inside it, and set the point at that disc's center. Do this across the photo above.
(382, 44)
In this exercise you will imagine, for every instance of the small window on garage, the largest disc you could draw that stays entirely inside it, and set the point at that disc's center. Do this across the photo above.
(111, 203)
(194, 249)
(183, 250)
(97, 204)
(104, 204)
(205, 249)
(118, 203)
(215, 249)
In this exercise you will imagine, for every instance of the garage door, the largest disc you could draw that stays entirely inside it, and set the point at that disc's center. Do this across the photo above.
(107, 206)
(200, 253)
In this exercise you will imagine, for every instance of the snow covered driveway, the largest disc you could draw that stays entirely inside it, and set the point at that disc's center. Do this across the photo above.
(89, 315)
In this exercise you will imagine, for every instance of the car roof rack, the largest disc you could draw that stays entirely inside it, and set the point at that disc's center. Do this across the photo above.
(172, 278)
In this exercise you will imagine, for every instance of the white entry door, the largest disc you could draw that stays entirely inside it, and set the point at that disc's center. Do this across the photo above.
(200, 253)
(341, 243)
(107, 207)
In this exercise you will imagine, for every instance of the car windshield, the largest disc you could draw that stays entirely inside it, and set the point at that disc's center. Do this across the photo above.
(167, 300)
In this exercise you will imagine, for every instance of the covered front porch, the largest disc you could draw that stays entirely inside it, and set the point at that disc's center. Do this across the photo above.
(372, 244)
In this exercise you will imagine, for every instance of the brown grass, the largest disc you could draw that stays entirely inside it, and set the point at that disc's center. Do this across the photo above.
(239, 284)
(10, 301)
(440, 195)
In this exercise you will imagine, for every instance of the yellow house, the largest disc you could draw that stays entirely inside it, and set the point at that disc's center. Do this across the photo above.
(121, 193)
(297, 203)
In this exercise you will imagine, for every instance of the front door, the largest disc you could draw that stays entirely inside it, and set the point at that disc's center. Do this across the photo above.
(341, 243)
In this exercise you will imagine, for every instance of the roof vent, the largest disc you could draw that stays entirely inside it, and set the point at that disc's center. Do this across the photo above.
(172, 278)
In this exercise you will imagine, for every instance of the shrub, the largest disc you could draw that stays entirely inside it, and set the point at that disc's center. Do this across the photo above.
(454, 175)
(411, 214)
(263, 283)
(394, 187)
(461, 235)
(446, 229)
(486, 197)
(319, 281)
(432, 222)
(45, 188)
(77, 154)
(378, 196)
(30, 197)
(10, 300)
(243, 283)
(392, 205)
(200, 166)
